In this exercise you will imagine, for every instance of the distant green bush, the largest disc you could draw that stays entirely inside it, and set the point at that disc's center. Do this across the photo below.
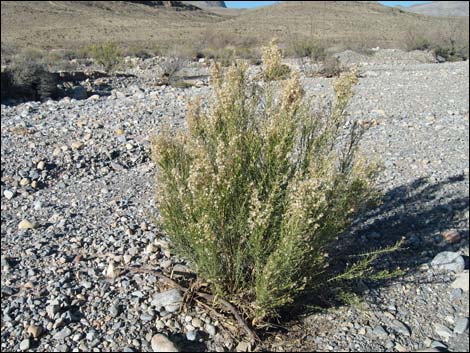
(307, 48)
(108, 55)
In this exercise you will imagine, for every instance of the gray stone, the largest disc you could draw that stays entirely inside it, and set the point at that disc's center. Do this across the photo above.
(210, 329)
(63, 334)
(159, 324)
(456, 294)
(61, 348)
(170, 300)
(146, 317)
(196, 322)
(52, 309)
(443, 331)
(461, 325)
(114, 310)
(449, 261)
(400, 327)
(438, 344)
(380, 331)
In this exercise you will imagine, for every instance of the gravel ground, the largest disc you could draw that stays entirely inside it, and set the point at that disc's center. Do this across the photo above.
(77, 199)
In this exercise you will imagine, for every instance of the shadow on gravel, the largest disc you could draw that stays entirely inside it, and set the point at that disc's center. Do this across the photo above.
(189, 346)
(419, 212)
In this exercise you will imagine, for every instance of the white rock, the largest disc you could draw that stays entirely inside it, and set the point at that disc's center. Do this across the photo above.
(25, 344)
(170, 300)
(25, 224)
(161, 343)
(111, 270)
(8, 194)
(461, 281)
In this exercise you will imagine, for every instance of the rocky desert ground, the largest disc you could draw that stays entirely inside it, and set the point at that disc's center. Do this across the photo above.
(77, 186)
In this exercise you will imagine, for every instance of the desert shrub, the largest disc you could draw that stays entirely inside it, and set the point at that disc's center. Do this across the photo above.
(170, 69)
(259, 185)
(331, 67)
(224, 56)
(108, 55)
(6, 84)
(418, 43)
(451, 52)
(273, 69)
(307, 48)
(31, 80)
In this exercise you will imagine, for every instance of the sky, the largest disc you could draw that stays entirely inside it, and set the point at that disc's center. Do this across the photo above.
(250, 4)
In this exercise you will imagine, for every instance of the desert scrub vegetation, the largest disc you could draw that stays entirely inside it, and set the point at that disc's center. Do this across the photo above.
(108, 55)
(307, 49)
(29, 79)
(331, 67)
(259, 186)
(273, 68)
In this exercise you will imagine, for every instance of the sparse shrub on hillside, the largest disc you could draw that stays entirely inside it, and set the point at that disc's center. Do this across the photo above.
(259, 186)
(417, 42)
(108, 55)
(273, 68)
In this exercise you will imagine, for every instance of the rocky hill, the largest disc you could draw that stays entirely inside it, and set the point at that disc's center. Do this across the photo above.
(75, 24)
(440, 8)
(205, 4)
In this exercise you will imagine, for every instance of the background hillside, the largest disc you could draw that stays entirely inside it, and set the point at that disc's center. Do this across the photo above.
(343, 24)
(440, 8)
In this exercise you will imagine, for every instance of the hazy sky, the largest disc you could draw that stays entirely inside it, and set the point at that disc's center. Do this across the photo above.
(248, 4)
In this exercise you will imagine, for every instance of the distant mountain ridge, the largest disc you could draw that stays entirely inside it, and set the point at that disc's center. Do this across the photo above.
(183, 27)
(206, 3)
(182, 4)
(440, 8)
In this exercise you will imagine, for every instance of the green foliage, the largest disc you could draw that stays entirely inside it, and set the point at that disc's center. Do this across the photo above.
(108, 55)
(451, 53)
(259, 186)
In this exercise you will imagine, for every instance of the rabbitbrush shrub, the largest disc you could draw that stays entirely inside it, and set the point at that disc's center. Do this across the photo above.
(273, 68)
(257, 188)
